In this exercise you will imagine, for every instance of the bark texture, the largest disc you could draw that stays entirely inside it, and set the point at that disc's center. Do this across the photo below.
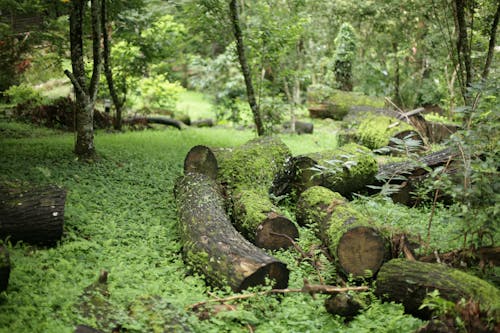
(201, 159)
(34, 216)
(408, 282)
(213, 247)
(352, 238)
(4, 268)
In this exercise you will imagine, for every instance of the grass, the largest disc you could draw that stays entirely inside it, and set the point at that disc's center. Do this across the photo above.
(196, 105)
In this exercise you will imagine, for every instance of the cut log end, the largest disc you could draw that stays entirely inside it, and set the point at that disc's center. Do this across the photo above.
(276, 232)
(275, 271)
(201, 159)
(361, 251)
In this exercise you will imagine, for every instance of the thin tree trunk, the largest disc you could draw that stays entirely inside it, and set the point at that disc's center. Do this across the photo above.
(397, 95)
(463, 51)
(492, 43)
(245, 68)
(107, 68)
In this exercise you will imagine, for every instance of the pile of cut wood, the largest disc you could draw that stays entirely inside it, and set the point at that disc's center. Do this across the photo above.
(229, 219)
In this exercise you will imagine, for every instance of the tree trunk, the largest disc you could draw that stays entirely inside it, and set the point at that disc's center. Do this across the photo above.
(352, 239)
(201, 159)
(235, 19)
(408, 282)
(212, 246)
(491, 44)
(4, 268)
(34, 216)
(248, 172)
(463, 51)
(107, 67)
(345, 170)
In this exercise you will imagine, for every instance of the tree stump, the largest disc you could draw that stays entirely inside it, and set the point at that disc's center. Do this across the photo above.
(212, 246)
(356, 244)
(4, 268)
(248, 173)
(408, 282)
(34, 215)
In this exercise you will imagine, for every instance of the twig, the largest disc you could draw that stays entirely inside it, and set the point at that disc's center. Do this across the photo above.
(308, 288)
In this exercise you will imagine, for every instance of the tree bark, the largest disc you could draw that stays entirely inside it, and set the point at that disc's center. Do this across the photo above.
(213, 247)
(4, 268)
(352, 238)
(117, 102)
(248, 172)
(235, 19)
(491, 44)
(463, 51)
(408, 282)
(201, 159)
(34, 216)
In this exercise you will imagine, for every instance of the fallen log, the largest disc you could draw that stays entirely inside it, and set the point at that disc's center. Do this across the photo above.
(201, 159)
(212, 246)
(356, 244)
(34, 215)
(346, 305)
(482, 257)
(408, 282)
(299, 127)
(207, 122)
(145, 120)
(327, 110)
(248, 173)
(4, 268)
(346, 170)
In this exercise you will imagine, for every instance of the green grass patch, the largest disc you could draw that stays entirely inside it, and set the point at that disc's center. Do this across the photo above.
(196, 105)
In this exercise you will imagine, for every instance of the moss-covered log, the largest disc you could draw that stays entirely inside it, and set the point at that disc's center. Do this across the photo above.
(346, 170)
(408, 282)
(212, 246)
(4, 268)
(201, 159)
(345, 304)
(376, 131)
(34, 215)
(328, 110)
(207, 122)
(357, 246)
(249, 172)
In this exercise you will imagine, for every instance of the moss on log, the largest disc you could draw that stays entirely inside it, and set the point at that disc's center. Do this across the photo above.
(201, 159)
(4, 268)
(346, 169)
(408, 282)
(345, 304)
(249, 172)
(357, 246)
(33, 215)
(212, 246)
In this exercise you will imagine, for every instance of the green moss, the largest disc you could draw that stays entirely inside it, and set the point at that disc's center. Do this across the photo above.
(375, 131)
(314, 202)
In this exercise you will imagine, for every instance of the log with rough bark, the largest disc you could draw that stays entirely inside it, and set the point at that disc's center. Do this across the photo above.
(346, 170)
(34, 215)
(356, 244)
(378, 131)
(4, 268)
(408, 282)
(248, 172)
(212, 246)
(145, 120)
(201, 159)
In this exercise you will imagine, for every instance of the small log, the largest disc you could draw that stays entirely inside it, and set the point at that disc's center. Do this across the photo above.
(357, 246)
(4, 268)
(201, 159)
(346, 170)
(144, 120)
(345, 305)
(301, 127)
(327, 110)
(34, 215)
(212, 246)
(408, 282)
(207, 122)
(248, 172)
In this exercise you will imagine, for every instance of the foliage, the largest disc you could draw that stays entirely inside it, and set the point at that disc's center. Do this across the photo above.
(158, 92)
(345, 53)
(23, 93)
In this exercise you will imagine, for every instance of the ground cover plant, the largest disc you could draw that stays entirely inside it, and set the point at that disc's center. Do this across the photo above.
(121, 217)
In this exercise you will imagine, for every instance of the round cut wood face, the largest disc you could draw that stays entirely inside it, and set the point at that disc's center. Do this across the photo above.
(361, 251)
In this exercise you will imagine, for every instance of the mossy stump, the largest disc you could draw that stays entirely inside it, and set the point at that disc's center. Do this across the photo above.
(248, 172)
(34, 215)
(4, 268)
(358, 247)
(213, 247)
(408, 282)
(345, 170)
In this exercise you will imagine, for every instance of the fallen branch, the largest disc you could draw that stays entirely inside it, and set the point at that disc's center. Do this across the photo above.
(311, 289)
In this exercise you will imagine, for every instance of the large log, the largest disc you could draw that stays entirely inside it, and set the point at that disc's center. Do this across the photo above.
(201, 159)
(408, 282)
(34, 215)
(4, 268)
(248, 172)
(212, 246)
(356, 244)
(346, 170)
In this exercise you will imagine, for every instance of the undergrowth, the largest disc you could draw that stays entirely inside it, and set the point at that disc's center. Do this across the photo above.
(120, 216)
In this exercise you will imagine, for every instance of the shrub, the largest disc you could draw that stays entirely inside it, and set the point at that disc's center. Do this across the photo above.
(22, 94)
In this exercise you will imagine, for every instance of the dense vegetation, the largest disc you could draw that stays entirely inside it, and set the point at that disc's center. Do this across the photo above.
(183, 60)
